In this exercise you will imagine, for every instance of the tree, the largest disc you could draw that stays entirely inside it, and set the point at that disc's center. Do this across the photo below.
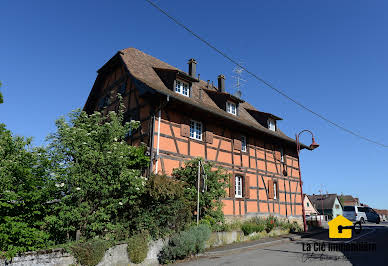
(1, 95)
(24, 194)
(216, 182)
(98, 176)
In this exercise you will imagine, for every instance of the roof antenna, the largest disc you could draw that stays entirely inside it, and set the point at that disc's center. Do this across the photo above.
(238, 80)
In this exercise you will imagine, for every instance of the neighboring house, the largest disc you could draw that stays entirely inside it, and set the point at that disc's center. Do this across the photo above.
(327, 204)
(309, 208)
(183, 117)
(348, 200)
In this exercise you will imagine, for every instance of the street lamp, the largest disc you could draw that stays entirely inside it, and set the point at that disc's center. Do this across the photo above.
(312, 146)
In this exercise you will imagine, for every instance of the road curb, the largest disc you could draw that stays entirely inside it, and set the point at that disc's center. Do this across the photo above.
(286, 239)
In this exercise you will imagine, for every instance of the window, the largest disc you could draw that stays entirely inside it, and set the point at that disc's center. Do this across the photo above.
(337, 206)
(195, 130)
(275, 190)
(282, 154)
(243, 143)
(271, 124)
(308, 204)
(182, 88)
(231, 108)
(238, 186)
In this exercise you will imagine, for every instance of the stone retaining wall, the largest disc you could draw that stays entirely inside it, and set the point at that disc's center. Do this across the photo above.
(118, 255)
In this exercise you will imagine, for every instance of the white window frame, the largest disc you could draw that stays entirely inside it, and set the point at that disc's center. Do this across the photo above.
(231, 108)
(238, 186)
(243, 143)
(275, 190)
(196, 130)
(271, 124)
(182, 87)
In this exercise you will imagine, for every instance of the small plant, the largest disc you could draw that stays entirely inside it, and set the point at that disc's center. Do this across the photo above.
(270, 224)
(232, 226)
(138, 247)
(295, 228)
(248, 228)
(185, 243)
(89, 253)
(253, 225)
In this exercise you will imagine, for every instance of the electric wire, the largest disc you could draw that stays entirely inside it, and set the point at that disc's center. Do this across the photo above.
(268, 84)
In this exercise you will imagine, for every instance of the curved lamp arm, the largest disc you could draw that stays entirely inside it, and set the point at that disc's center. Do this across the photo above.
(313, 144)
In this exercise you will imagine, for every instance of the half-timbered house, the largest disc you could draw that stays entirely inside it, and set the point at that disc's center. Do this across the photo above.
(183, 117)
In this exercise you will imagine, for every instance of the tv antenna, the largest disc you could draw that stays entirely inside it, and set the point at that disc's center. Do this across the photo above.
(238, 80)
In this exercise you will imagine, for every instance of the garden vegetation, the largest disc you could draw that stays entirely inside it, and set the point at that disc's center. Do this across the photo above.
(88, 189)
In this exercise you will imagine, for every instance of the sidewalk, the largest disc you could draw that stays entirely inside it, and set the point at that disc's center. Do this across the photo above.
(264, 242)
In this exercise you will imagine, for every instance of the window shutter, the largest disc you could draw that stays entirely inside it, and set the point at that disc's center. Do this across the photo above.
(270, 189)
(237, 144)
(185, 130)
(185, 127)
(209, 137)
(246, 187)
(231, 187)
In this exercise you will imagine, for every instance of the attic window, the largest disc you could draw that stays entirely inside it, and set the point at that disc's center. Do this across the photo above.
(182, 87)
(271, 124)
(231, 108)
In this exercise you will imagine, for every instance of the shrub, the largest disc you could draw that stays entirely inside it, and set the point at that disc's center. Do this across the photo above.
(89, 253)
(138, 247)
(209, 201)
(253, 225)
(270, 224)
(248, 228)
(164, 208)
(295, 228)
(232, 226)
(185, 243)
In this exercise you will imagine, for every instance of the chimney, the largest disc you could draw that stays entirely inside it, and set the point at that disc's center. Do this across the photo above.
(221, 83)
(192, 67)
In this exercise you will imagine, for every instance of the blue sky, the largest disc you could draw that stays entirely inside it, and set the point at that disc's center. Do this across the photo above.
(330, 55)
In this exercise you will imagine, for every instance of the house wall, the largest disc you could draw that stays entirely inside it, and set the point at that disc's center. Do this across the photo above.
(260, 165)
(308, 207)
(337, 211)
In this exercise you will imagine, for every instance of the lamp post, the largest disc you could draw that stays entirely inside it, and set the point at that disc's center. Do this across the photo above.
(313, 146)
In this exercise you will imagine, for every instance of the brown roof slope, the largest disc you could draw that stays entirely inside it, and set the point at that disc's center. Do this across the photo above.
(327, 200)
(142, 67)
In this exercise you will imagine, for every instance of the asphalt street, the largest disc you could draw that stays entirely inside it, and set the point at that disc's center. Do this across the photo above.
(296, 253)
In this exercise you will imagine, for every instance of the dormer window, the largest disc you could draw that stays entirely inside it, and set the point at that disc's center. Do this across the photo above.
(271, 124)
(231, 108)
(182, 87)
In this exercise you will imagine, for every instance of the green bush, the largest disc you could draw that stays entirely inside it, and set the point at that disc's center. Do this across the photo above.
(164, 208)
(209, 200)
(253, 225)
(270, 223)
(185, 243)
(248, 228)
(89, 253)
(232, 226)
(138, 247)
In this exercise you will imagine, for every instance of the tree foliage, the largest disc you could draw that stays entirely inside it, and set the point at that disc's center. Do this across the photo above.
(24, 194)
(164, 207)
(98, 175)
(1, 95)
(216, 182)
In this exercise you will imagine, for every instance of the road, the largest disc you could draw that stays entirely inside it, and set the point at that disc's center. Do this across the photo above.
(292, 253)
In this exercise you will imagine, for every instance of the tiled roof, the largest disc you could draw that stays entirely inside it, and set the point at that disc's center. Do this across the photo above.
(326, 200)
(142, 67)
